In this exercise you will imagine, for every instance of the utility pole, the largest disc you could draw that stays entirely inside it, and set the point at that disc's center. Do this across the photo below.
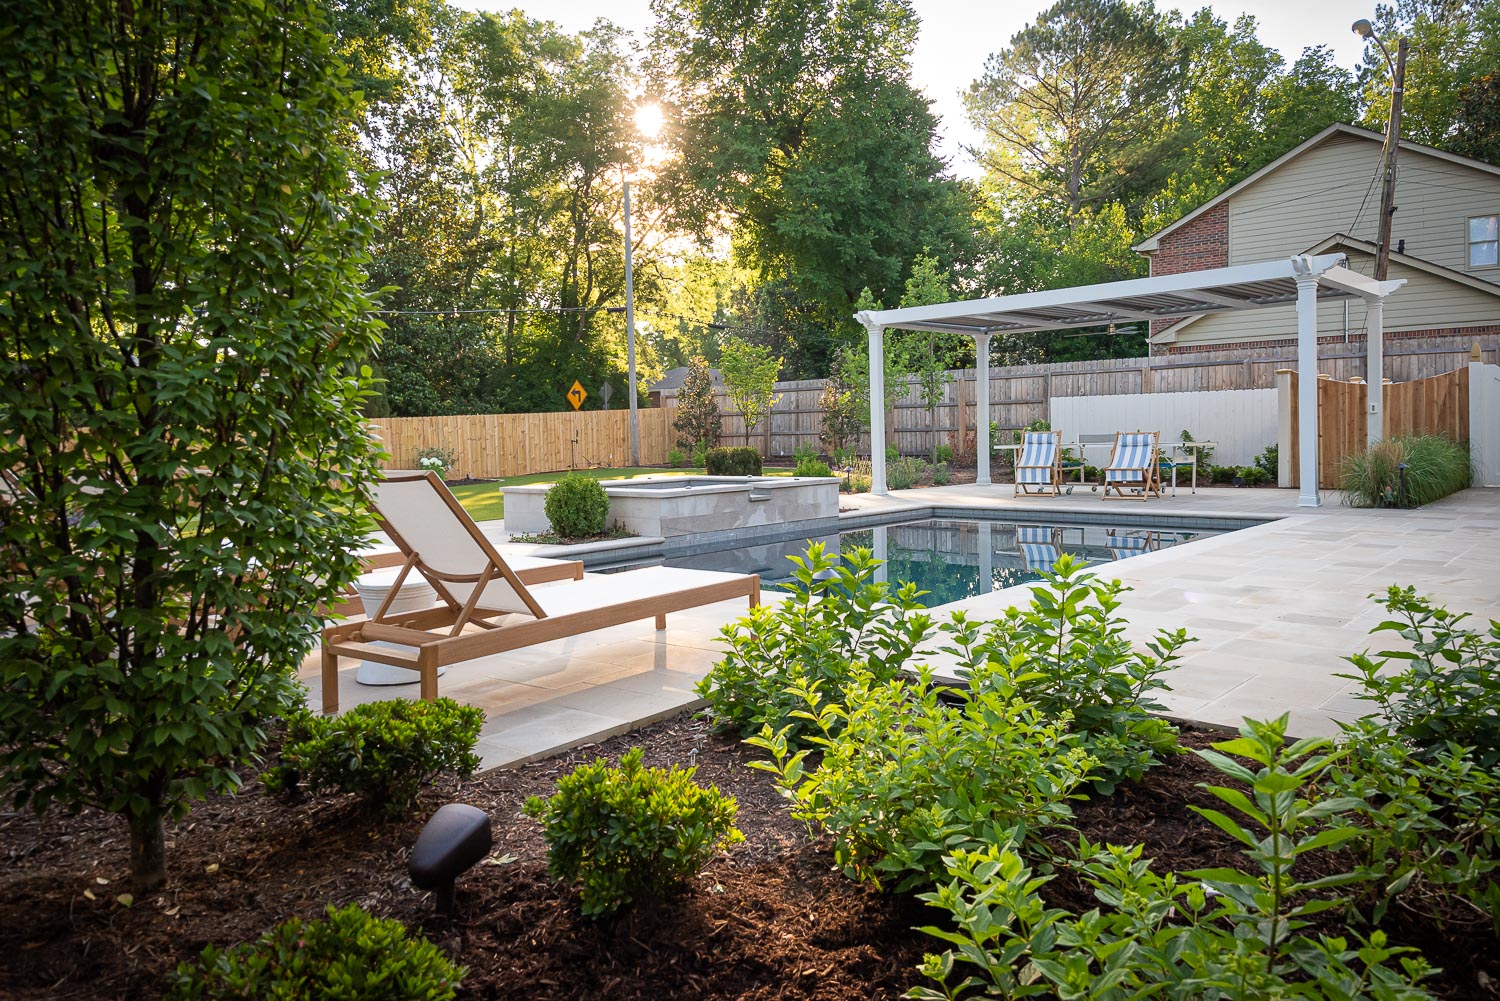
(635, 417)
(1366, 30)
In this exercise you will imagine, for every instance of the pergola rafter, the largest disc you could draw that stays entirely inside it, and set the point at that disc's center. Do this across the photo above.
(1302, 279)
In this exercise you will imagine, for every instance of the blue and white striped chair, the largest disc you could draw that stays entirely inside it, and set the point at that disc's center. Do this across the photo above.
(1133, 466)
(1040, 546)
(1039, 466)
(1132, 543)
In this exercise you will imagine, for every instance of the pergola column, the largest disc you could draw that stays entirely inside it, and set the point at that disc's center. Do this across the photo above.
(1374, 370)
(1307, 389)
(982, 407)
(877, 407)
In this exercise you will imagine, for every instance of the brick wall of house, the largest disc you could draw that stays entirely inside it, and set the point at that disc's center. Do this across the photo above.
(1198, 246)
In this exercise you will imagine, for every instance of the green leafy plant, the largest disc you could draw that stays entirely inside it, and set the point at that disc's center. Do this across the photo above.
(942, 454)
(1269, 461)
(812, 467)
(1429, 827)
(676, 457)
(907, 776)
(941, 475)
(1066, 652)
(347, 955)
(906, 472)
(836, 621)
(437, 459)
(1205, 453)
(1222, 474)
(386, 751)
(1220, 934)
(186, 339)
(577, 506)
(698, 421)
(733, 462)
(1435, 467)
(842, 457)
(1252, 476)
(700, 454)
(631, 833)
(1449, 689)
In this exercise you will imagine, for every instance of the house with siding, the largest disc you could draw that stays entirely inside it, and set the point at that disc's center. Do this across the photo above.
(1324, 197)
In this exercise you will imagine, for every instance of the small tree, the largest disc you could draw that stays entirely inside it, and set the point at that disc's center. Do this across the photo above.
(180, 391)
(854, 366)
(750, 372)
(843, 419)
(926, 359)
(698, 418)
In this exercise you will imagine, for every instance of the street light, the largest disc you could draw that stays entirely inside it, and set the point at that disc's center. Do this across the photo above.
(1364, 29)
(648, 122)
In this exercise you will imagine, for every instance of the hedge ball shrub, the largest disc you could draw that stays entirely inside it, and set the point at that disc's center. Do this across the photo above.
(577, 506)
(631, 833)
(348, 955)
(386, 751)
(733, 462)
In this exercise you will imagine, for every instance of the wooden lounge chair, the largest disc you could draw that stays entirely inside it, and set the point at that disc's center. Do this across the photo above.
(485, 607)
(1039, 466)
(1133, 466)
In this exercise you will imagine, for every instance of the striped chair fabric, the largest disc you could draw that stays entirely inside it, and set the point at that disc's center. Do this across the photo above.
(1038, 546)
(1132, 457)
(1038, 457)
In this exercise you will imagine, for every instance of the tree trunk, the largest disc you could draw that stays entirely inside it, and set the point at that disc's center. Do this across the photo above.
(148, 852)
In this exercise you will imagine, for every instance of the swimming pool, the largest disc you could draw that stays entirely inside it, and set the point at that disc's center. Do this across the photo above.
(952, 558)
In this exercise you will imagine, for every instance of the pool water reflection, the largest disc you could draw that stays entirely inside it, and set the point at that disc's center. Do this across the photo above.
(953, 559)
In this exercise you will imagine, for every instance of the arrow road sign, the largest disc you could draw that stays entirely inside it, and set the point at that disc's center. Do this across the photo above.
(577, 394)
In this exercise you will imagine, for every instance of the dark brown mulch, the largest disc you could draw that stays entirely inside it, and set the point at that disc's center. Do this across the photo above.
(771, 919)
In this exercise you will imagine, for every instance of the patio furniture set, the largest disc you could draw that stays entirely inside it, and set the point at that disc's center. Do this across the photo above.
(1133, 472)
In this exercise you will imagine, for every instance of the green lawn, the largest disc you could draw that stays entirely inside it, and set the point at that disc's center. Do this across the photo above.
(486, 501)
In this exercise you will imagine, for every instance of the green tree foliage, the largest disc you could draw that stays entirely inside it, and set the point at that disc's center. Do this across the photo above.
(1452, 43)
(842, 418)
(750, 372)
(698, 419)
(930, 355)
(1477, 131)
(1073, 112)
(502, 152)
(824, 164)
(180, 392)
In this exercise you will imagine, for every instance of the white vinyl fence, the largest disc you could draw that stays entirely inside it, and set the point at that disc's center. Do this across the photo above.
(1484, 423)
(1242, 421)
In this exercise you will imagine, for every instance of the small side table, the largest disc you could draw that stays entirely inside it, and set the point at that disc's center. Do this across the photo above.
(415, 595)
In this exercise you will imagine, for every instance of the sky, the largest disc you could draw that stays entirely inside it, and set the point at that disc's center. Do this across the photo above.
(957, 36)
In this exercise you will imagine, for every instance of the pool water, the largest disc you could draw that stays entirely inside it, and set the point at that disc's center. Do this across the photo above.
(953, 559)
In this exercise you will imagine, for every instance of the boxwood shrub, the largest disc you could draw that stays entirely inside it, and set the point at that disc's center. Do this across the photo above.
(631, 832)
(577, 506)
(386, 751)
(733, 462)
(348, 955)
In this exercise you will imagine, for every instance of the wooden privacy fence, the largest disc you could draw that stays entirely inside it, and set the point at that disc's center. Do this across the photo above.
(490, 446)
(1023, 393)
(1436, 405)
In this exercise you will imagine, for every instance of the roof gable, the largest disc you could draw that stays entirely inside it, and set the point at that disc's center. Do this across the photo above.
(1153, 242)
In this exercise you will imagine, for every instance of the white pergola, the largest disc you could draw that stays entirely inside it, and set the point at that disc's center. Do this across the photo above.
(1304, 280)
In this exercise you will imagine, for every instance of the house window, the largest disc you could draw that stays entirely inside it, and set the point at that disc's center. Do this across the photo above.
(1484, 241)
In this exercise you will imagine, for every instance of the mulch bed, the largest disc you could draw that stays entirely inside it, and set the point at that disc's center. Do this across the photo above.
(771, 919)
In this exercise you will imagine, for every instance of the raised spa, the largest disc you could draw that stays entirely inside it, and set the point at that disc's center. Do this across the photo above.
(686, 505)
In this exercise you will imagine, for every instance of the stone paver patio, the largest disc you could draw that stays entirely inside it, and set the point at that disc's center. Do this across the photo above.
(1275, 608)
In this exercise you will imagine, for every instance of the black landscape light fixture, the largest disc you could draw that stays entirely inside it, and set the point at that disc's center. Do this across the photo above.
(1401, 468)
(456, 838)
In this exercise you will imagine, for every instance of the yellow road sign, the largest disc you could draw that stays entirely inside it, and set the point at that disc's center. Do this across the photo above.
(577, 394)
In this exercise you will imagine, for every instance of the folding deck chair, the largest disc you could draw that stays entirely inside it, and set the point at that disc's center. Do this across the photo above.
(485, 607)
(1040, 464)
(1040, 546)
(1125, 544)
(1133, 465)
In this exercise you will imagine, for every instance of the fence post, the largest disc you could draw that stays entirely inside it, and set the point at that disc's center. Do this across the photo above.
(1286, 428)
